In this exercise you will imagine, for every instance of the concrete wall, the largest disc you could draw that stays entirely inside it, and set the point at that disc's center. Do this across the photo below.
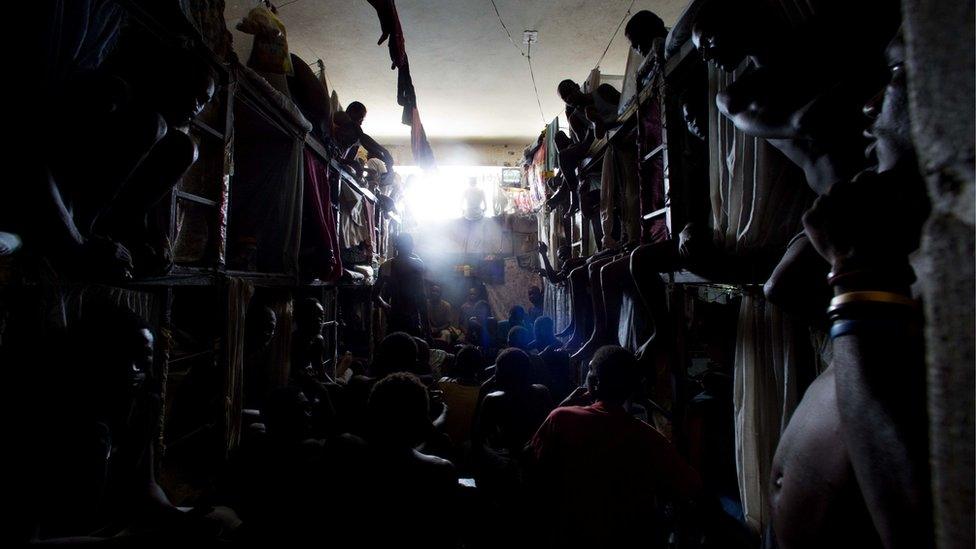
(940, 40)
(463, 153)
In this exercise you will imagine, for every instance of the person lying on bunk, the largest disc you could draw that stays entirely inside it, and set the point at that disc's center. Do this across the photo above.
(869, 486)
(626, 463)
(349, 136)
(401, 281)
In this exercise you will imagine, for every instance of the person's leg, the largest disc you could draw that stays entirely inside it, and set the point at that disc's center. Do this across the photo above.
(599, 310)
(581, 307)
(647, 262)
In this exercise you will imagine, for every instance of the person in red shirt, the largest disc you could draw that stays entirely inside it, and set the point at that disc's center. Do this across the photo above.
(599, 471)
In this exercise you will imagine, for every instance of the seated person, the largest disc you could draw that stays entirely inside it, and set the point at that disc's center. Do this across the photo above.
(581, 199)
(474, 201)
(590, 112)
(544, 335)
(441, 314)
(409, 484)
(349, 137)
(461, 390)
(90, 462)
(627, 464)
(516, 317)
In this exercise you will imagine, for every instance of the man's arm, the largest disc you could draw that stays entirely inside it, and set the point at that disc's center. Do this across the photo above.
(377, 150)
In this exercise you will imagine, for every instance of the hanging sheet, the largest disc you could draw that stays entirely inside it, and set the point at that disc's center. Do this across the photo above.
(239, 293)
(406, 95)
(619, 201)
(320, 236)
(557, 304)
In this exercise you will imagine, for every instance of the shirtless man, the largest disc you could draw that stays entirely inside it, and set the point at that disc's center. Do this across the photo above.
(349, 137)
(859, 435)
(402, 280)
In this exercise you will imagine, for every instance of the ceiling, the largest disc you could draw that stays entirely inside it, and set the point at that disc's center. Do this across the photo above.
(471, 82)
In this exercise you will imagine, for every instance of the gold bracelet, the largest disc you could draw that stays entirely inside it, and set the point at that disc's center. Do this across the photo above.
(873, 296)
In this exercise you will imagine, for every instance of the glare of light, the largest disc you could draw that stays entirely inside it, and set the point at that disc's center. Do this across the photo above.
(439, 195)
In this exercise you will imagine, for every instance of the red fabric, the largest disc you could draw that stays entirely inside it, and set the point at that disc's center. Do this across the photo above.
(651, 174)
(406, 95)
(318, 207)
(602, 469)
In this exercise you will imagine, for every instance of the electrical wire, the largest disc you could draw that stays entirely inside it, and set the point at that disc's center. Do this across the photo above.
(614, 35)
(528, 57)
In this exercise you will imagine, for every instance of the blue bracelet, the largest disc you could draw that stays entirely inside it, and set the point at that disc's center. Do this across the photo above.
(889, 326)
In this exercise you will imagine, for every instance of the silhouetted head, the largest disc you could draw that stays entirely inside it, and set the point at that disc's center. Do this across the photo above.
(357, 112)
(397, 352)
(694, 110)
(564, 253)
(614, 375)
(516, 315)
(310, 316)
(570, 93)
(404, 244)
(535, 296)
(513, 370)
(545, 330)
(519, 337)
(468, 362)
(434, 292)
(397, 411)
(472, 295)
(725, 32)
(263, 324)
(889, 113)
(642, 29)
(114, 353)
(562, 140)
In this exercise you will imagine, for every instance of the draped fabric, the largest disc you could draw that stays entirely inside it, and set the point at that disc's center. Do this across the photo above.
(406, 95)
(239, 293)
(769, 354)
(619, 199)
(758, 198)
(514, 290)
(320, 237)
(557, 304)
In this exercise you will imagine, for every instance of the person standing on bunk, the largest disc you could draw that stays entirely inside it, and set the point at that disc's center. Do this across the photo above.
(400, 291)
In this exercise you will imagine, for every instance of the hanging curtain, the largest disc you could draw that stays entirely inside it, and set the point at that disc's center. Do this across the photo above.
(758, 198)
(239, 293)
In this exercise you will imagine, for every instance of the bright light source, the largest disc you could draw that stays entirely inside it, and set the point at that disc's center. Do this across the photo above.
(439, 195)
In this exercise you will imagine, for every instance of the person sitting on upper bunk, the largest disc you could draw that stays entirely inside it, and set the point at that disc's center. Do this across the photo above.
(646, 33)
(349, 136)
(589, 114)
(402, 281)
(88, 210)
(582, 200)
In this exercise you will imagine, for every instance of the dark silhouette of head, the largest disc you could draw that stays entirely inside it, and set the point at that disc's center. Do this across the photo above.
(513, 370)
(310, 316)
(469, 362)
(614, 374)
(570, 93)
(516, 315)
(434, 292)
(519, 337)
(397, 352)
(357, 112)
(642, 29)
(535, 295)
(397, 411)
(262, 324)
(725, 33)
(545, 330)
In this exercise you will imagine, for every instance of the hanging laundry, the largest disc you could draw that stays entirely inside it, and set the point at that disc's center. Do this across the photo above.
(406, 96)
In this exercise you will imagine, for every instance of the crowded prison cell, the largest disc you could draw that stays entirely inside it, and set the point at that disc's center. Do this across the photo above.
(715, 290)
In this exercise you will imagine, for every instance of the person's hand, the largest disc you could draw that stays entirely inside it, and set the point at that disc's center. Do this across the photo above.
(543, 248)
(874, 220)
